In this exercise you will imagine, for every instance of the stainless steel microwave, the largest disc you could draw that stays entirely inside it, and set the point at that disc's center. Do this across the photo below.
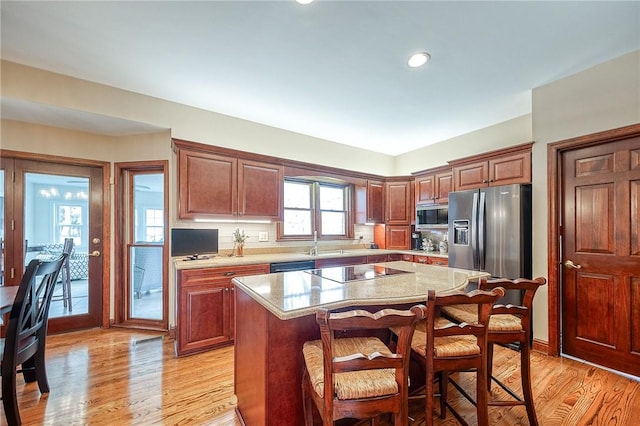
(432, 216)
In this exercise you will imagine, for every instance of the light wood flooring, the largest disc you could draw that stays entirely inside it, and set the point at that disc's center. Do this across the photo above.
(121, 377)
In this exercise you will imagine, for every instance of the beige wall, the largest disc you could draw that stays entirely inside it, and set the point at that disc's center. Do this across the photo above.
(185, 122)
(511, 132)
(603, 97)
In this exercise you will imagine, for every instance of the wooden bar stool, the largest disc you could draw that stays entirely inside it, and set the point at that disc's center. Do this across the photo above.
(359, 377)
(509, 324)
(441, 347)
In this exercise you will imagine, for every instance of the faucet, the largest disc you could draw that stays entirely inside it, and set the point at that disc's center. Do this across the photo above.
(314, 250)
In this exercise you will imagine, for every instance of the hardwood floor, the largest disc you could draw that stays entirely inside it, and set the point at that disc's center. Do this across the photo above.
(122, 377)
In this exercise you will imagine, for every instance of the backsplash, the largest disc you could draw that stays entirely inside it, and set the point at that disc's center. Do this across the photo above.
(436, 236)
(253, 244)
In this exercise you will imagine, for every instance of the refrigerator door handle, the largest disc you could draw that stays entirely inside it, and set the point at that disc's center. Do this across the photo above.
(481, 222)
(474, 232)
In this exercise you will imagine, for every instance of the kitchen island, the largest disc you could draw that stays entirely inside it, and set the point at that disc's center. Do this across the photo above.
(275, 315)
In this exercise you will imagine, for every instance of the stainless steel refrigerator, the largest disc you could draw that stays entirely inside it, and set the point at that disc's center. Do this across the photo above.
(490, 230)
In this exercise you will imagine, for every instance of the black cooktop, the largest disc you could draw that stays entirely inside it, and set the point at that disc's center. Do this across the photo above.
(343, 274)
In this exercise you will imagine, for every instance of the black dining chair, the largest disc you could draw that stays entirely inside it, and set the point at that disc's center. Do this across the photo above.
(24, 343)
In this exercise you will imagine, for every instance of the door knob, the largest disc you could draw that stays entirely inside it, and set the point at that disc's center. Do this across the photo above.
(95, 253)
(570, 264)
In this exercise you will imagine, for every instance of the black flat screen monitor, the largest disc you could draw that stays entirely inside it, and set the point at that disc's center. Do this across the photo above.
(187, 241)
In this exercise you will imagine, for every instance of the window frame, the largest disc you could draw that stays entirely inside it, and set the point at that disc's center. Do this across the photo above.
(316, 213)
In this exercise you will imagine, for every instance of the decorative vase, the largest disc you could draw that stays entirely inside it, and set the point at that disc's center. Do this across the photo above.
(240, 249)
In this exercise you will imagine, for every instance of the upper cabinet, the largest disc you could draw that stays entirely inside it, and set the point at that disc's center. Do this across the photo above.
(398, 202)
(433, 185)
(375, 202)
(503, 167)
(219, 186)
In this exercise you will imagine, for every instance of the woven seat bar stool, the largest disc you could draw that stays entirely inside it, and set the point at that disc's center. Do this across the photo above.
(509, 324)
(359, 377)
(440, 346)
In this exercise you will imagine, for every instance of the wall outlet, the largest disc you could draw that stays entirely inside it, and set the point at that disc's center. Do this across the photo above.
(359, 236)
(263, 236)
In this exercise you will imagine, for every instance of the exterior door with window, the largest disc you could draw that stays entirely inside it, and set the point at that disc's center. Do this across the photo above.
(44, 204)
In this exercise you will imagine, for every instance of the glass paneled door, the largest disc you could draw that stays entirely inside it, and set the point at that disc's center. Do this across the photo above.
(56, 208)
(146, 251)
(141, 246)
(48, 203)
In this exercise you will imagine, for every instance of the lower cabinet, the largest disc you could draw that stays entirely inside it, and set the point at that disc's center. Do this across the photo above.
(340, 261)
(205, 306)
(431, 260)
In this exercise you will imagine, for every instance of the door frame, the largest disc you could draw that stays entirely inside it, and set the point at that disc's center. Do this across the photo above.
(555, 152)
(106, 212)
(121, 268)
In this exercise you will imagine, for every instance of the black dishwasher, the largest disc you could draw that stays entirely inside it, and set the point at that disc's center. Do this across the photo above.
(299, 265)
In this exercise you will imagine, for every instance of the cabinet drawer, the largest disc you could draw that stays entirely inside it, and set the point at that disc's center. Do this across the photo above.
(225, 272)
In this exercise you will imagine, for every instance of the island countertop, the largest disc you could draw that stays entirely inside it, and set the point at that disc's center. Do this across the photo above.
(294, 294)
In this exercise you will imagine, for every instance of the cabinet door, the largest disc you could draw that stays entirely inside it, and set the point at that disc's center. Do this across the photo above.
(443, 186)
(340, 261)
(471, 176)
(420, 259)
(230, 273)
(425, 189)
(398, 203)
(207, 185)
(437, 261)
(378, 258)
(398, 237)
(510, 169)
(260, 190)
(203, 316)
(375, 201)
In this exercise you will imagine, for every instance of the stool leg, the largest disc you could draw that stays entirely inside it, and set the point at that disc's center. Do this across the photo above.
(525, 372)
(489, 365)
(444, 387)
(482, 396)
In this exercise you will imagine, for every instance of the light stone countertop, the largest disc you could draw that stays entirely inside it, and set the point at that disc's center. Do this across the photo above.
(298, 293)
(252, 259)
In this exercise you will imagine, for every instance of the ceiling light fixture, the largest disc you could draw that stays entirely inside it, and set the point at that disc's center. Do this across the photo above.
(304, 1)
(418, 59)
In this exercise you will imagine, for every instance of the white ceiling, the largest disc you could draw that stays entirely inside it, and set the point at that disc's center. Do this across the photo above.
(332, 69)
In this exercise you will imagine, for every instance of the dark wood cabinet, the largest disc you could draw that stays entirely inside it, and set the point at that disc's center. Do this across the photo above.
(398, 202)
(392, 237)
(503, 167)
(260, 190)
(369, 202)
(378, 258)
(375, 202)
(205, 306)
(398, 237)
(430, 260)
(218, 186)
(433, 186)
(340, 261)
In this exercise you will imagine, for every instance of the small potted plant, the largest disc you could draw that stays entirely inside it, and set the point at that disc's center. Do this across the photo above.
(239, 237)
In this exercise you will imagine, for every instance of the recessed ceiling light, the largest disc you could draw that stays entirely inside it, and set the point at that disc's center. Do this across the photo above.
(304, 1)
(418, 59)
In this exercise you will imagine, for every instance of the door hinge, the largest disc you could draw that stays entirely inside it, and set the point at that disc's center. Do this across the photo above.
(13, 176)
(13, 225)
